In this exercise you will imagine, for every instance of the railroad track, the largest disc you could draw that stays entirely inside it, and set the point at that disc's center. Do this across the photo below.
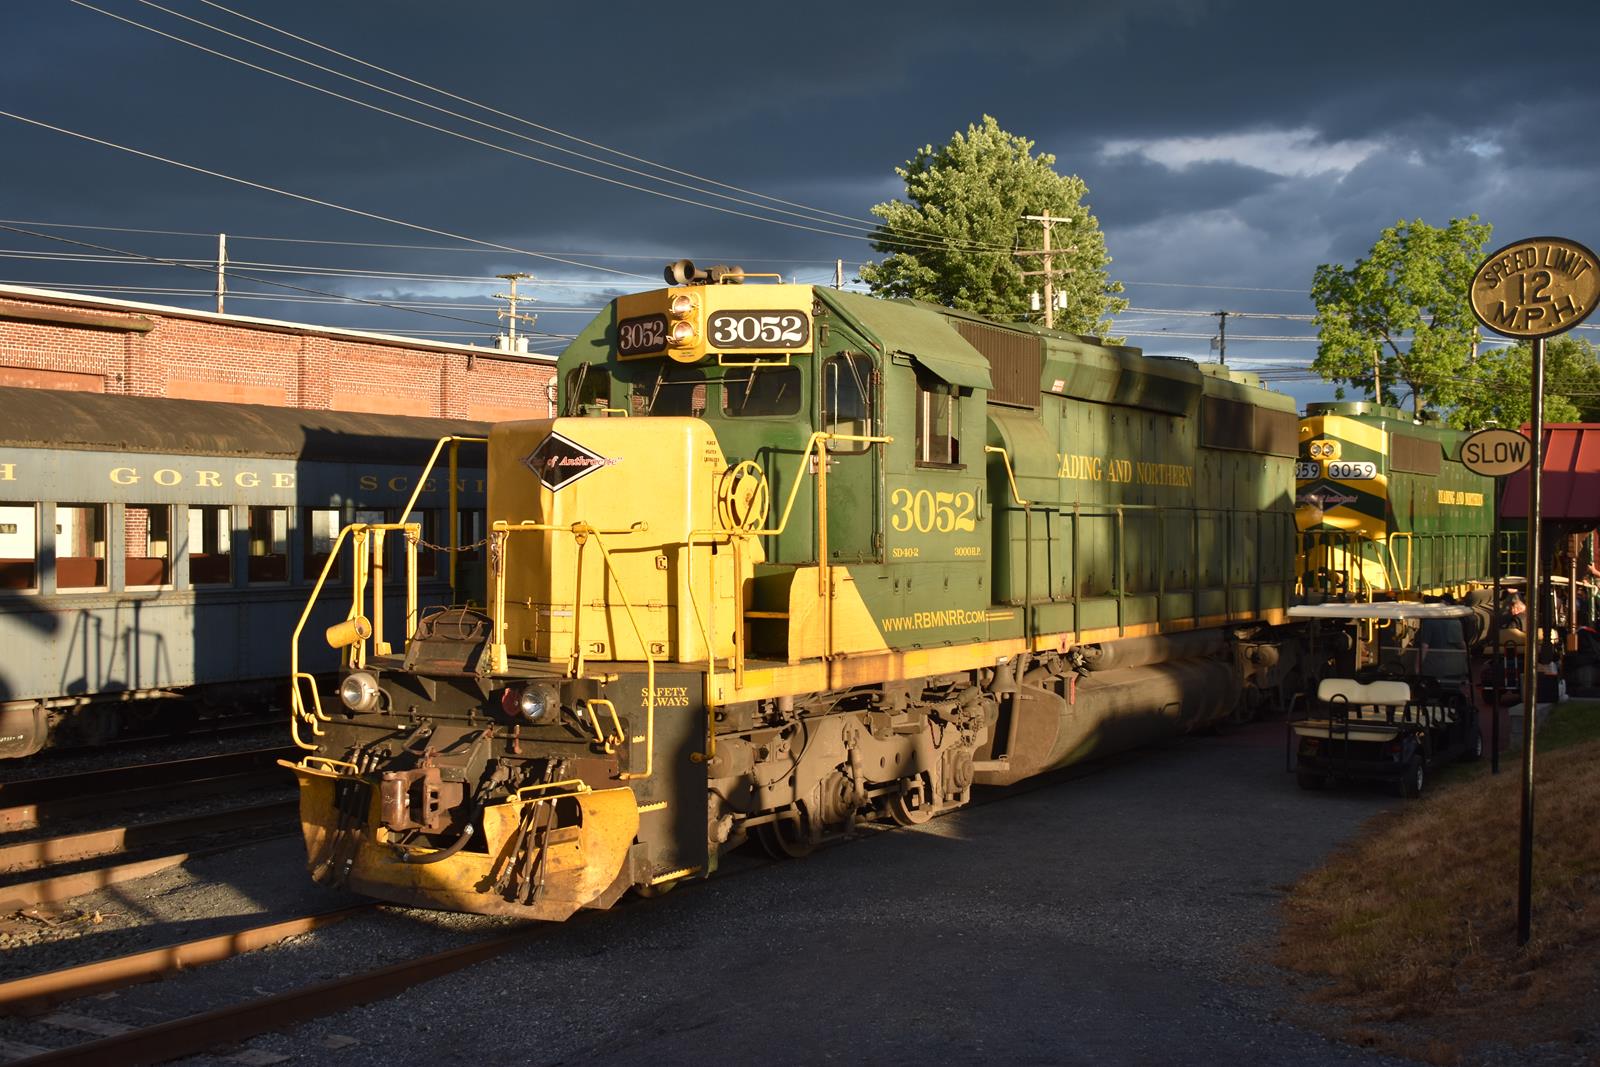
(235, 1023)
(45, 870)
(36, 802)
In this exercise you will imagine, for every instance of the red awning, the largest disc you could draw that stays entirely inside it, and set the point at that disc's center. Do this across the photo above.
(1571, 486)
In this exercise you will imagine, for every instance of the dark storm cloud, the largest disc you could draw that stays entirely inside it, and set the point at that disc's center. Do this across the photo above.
(1224, 142)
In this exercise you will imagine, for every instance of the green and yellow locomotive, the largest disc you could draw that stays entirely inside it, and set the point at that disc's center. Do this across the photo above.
(1385, 508)
(791, 558)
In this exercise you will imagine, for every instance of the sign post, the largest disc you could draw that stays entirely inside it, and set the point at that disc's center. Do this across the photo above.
(1532, 289)
(1495, 453)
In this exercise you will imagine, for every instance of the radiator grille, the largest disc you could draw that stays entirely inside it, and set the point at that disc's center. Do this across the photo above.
(1015, 361)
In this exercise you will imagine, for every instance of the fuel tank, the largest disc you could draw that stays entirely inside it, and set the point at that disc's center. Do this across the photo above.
(1059, 721)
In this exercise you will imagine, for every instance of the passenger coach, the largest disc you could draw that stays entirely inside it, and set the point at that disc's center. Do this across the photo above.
(148, 546)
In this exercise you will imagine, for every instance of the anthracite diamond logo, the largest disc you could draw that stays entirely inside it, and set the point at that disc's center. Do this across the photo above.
(559, 462)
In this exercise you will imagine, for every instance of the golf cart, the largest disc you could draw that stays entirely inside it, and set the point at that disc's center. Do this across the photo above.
(1398, 707)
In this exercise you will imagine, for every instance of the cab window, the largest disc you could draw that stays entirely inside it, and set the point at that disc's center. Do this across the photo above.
(586, 386)
(673, 390)
(938, 425)
(761, 390)
(847, 400)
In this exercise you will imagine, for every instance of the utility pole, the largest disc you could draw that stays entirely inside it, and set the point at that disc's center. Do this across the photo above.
(1045, 253)
(1377, 367)
(838, 274)
(1222, 336)
(510, 315)
(222, 269)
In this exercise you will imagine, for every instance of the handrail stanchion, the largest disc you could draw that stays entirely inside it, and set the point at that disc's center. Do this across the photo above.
(454, 518)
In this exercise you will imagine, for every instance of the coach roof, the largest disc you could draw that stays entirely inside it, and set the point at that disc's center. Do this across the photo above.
(49, 418)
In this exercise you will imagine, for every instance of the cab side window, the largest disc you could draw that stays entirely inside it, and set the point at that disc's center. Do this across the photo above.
(847, 406)
(938, 424)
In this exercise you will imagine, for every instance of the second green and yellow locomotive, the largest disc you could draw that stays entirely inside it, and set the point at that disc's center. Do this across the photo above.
(1384, 506)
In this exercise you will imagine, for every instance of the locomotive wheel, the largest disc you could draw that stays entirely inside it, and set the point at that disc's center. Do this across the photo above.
(790, 838)
(912, 806)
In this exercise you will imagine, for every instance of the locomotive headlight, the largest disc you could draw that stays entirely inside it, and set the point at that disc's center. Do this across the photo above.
(359, 692)
(533, 702)
(681, 333)
(681, 306)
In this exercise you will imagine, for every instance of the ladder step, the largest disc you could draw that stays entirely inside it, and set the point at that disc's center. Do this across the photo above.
(766, 614)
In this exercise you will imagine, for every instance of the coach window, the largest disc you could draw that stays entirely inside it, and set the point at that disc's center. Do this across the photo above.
(847, 400)
(938, 423)
(269, 544)
(210, 546)
(80, 546)
(147, 544)
(318, 528)
(19, 546)
(393, 561)
(471, 526)
(427, 558)
(768, 389)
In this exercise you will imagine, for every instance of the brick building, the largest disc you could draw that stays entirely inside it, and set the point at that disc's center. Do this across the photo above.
(58, 340)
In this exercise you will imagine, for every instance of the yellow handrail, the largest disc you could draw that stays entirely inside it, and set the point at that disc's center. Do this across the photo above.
(427, 468)
(1010, 477)
(583, 532)
(297, 709)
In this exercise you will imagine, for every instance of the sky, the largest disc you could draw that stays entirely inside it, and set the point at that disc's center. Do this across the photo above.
(1229, 148)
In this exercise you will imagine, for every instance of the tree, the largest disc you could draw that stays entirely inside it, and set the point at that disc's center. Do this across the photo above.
(953, 240)
(1497, 391)
(1404, 306)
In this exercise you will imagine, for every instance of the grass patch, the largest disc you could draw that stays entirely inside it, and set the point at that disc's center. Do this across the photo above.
(1415, 920)
(1569, 724)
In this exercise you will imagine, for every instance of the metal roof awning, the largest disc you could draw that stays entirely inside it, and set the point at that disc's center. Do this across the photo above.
(923, 335)
(1570, 491)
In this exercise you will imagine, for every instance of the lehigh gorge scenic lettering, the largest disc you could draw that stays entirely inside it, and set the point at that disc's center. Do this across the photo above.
(1076, 466)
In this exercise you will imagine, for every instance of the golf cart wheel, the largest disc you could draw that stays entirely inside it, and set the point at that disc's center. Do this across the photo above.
(1414, 779)
(1474, 747)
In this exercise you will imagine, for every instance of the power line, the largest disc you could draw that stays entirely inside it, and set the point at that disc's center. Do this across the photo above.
(306, 199)
(260, 281)
(651, 257)
(547, 129)
(449, 132)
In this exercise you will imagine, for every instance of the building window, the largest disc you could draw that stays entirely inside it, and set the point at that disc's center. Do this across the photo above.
(847, 400)
(80, 546)
(268, 530)
(147, 544)
(318, 528)
(19, 546)
(761, 389)
(210, 546)
(938, 426)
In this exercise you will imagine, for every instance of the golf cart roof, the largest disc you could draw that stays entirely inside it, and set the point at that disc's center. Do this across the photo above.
(1382, 610)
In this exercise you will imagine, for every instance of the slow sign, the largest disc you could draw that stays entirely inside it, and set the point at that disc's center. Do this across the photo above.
(1536, 287)
(1495, 452)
